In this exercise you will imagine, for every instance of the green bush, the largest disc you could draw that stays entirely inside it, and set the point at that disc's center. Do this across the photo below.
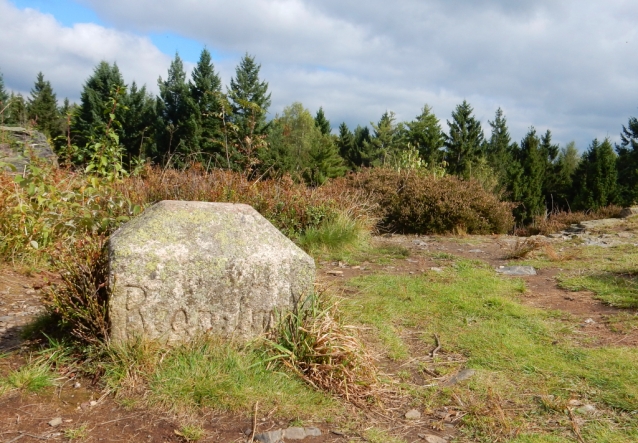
(411, 201)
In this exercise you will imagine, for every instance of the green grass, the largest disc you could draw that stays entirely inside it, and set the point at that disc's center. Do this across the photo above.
(340, 233)
(520, 353)
(32, 377)
(213, 375)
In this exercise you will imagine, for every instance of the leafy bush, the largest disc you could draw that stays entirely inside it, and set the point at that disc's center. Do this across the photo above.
(410, 201)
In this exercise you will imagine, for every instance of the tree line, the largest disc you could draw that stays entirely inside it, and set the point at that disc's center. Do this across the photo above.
(194, 120)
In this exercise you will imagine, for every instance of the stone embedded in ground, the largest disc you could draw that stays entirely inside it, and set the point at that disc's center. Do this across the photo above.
(183, 268)
(271, 436)
(587, 410)
(55, 422)
(434, 439)
(312, 432)
(413, 414)
(21, 144)
(295, 433)
(516, 270)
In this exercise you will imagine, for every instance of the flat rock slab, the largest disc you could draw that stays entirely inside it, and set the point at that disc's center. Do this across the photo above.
(516, 270)
(601, 224)
(184, 268)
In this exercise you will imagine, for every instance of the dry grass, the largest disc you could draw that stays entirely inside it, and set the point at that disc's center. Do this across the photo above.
(328, 355)
(562, 220)
(522, 248)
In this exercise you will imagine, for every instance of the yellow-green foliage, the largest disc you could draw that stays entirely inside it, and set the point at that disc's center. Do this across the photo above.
(418, 202)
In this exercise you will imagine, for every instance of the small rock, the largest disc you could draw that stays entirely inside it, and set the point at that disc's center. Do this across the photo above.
(248, 431)
(30, 291)
(429, 438)
(587, 410)
(590, 321)
(57, 421)
(271, 436)
(312, 432)
(77, 384)
(335, 273)
(476, 251)
(436, 269)
(575, 403)
(92, 403)
(295, 433)
(413, 414)
(516, 270)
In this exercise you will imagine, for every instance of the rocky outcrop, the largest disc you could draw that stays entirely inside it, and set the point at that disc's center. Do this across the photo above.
(19, 145)
(183, 268)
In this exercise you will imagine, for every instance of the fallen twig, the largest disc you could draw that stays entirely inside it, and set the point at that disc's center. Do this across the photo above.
(252, 436)
(438, 346)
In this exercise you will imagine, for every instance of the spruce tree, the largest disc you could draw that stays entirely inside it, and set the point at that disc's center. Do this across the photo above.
(595, 180)
(250, 100)
(42, 107)
(138, 124)
(347, 148)
(385, 141)
(424, 133)
(463, 143)
(205, 91)
(16, 112)
(322, 122)
(92, 116)
(627, 163)
(176, 116)
(528, 185)
(498, 148)
(549, 154)
(4, 99)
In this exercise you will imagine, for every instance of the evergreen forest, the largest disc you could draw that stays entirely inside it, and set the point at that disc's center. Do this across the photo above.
(195, 120)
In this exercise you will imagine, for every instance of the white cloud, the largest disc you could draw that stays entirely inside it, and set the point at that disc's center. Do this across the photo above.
(566, 65)
(34, 42)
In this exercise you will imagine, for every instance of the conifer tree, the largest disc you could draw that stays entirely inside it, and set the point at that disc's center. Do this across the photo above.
(498, 148)
(4, 99)
(205, 90)
(322, 122)
(42, 107)
(250, 99)
(627, 164)
(176, 116)
(386, 139)
(424, 133)
(92, 117)
(138, 124)
(347, 148)
(16, 113)
(527, 187)
(463, 143)
(595, 180)
(549, 154)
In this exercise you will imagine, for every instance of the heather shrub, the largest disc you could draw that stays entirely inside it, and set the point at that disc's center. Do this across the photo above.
(412, 201)
(292, 207)
(560, 220)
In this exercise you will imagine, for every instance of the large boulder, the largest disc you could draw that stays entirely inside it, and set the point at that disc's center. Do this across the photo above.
(19, 145)
(183, 268)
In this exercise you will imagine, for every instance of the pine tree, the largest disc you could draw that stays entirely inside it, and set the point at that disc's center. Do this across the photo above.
(250, 100)
(322, 122)
(176, 116)
(595, 180)
(42, 107)
(627, 164)
(528, 179)
(16, 112)
(463, 143)
(92, 116)
(205, 90)
(347, 148)
(424, 133)
(549, 154)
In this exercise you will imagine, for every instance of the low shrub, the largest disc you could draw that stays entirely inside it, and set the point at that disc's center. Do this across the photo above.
(411, 201)
(292, 207)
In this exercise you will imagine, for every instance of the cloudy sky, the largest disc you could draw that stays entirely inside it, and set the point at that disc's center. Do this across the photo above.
(565, 65)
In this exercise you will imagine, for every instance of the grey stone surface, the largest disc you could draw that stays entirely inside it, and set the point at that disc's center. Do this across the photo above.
(182, 268)
(516, 270)
(55, 422)
(312, 432)
(463, 375)
(271, 436)
(413, 414)
(295, 433)
(18, 145)
(434, 439)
